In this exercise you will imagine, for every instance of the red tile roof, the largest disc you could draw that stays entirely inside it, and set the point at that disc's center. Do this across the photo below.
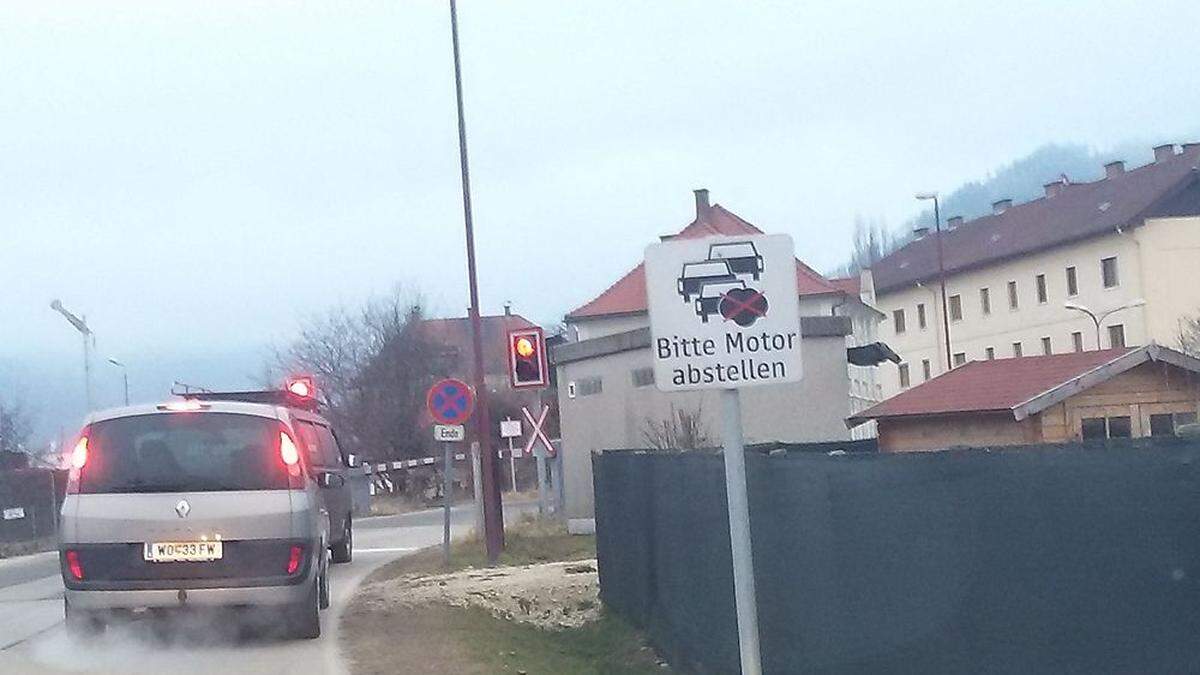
(1079, 211)
(628, 294)
(990, 386)
(847, 285)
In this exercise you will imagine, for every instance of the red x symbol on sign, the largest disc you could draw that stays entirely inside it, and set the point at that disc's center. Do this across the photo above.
(537, 434)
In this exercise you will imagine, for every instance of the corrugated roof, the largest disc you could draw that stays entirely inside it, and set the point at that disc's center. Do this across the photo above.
(628, 294)
(1079, 211)
(991, 386)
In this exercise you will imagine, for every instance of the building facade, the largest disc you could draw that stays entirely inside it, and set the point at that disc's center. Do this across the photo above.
(1123, 247)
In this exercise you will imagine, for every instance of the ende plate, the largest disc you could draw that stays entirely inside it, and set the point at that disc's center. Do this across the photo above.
(183, 551)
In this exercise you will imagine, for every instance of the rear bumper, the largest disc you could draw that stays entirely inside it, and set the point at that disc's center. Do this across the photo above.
(251, 596)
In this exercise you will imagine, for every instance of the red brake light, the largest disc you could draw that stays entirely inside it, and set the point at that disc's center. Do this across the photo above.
(80, 454)
(74, 566)
(294, 557)
(287, 449)
(301, 387)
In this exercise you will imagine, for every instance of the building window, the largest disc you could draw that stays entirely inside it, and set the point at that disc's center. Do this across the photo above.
(1094, 429)
(904, 379)
(1046, 348)
(926, 369)
(956, 308)
(589, 386)
(1017, 349)
(1077, 340)
(1116, 336)
(1072, 282)
(1013, 303)
(643, 377)
(1041, 289)
(898, 321)
(1120, 427)
(960, 358)
(990, 353)
(1100, 428)
(1108, 271)
(921, 315)
(985, 301)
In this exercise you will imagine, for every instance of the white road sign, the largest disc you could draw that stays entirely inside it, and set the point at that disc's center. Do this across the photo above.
(14, 513)
(449, 432)
(724, 312)
(510, 428)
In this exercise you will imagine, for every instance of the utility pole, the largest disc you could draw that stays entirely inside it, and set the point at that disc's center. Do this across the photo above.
(937, 224)
(80, 324)
(493, 514)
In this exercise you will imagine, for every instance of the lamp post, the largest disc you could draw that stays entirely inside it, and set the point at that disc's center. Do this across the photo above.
(124, 374)
(80, 325)
(1099, 317)
(937, 224)
(493, 514)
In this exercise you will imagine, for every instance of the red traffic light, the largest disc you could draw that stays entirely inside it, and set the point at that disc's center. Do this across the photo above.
(527, 366)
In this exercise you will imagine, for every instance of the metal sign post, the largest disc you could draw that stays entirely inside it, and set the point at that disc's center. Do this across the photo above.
(450, 403)
(725, 314)
(510, 429)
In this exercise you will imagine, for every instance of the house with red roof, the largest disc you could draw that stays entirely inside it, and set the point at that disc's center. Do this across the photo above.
(607, 397)
(1084, 396)
(1088, 265)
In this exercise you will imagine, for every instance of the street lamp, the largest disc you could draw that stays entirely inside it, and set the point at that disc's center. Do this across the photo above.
(1098, 318)
(80, 325)
(124, 374)
(937, 223)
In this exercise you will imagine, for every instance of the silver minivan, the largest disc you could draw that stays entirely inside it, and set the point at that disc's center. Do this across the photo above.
(196, 504)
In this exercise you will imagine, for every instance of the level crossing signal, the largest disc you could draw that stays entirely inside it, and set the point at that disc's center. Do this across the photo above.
(527, 364)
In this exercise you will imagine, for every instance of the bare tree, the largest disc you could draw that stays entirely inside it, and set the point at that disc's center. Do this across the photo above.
(872, 241)
(372, 368)
(682, 430)
(1189, 335)
(16, 428)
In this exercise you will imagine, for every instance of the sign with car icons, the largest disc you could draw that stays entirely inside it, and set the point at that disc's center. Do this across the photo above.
(724, 312)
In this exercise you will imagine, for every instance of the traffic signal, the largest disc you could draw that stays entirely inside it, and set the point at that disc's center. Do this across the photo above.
(527, 365)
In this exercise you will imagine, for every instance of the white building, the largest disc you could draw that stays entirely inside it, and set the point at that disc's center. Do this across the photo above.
(1129, 242)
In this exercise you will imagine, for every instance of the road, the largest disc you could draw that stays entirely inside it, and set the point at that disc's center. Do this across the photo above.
(33, 641)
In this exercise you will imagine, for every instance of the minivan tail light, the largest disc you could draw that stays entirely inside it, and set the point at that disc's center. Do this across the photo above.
(76, 462)
(287, 449)
(74, 566)
(295, 555)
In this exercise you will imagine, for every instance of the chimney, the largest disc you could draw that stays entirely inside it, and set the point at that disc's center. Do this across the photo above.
(1001, 206)
(701, 203)
(954, 221)
(508, 309)
(1164, 152)
(1114, 169)
(1054, 189)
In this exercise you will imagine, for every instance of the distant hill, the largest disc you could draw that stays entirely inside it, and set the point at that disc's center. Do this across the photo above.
(1021, 181)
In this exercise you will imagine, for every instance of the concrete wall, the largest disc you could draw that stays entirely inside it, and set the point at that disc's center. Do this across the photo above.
(812, 410)
(1170, 250)
(1032, 320)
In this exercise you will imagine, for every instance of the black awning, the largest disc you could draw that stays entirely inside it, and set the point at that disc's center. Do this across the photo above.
(871, 355)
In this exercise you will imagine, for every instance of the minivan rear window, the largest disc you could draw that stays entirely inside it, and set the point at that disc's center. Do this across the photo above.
(183, 452)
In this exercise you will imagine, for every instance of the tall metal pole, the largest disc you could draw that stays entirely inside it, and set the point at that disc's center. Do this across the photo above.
(744, 596)
(493, 515)
(87, 368)
(447, 492)
(937, 222)
(125, 375)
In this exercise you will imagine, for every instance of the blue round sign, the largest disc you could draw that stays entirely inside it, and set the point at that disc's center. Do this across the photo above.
(450, 401)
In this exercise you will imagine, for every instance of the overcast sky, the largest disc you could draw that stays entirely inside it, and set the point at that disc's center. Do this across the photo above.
(196, 176)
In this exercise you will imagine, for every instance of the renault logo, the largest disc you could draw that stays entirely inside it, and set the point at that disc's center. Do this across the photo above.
(182, 508)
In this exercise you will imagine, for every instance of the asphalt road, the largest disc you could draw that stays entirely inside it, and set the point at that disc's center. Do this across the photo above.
(33, 641)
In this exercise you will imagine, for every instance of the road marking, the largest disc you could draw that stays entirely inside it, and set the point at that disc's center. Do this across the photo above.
(401, 549)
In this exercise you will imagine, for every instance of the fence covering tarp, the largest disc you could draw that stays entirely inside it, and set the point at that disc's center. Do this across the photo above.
(28, 506)
(1035, 559)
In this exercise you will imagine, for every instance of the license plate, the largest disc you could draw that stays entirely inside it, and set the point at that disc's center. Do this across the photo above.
(182, 551)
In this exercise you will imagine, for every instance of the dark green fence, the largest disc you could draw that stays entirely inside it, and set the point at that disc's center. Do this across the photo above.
(1023, 560)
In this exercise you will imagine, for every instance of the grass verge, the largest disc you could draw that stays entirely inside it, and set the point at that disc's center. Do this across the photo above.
(443, 639)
